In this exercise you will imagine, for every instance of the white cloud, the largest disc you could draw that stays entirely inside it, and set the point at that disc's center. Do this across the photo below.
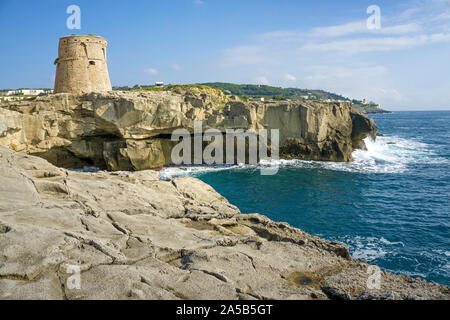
(176, 67)
(343, 30)
(245, 55)
(289, 77)
(399, 29)
(442, 16)
(339, 53)
(354, 46)
(359, 81)
(408, 13)
(334, 73)
(262, 80)
(340, 30)
(151, 71)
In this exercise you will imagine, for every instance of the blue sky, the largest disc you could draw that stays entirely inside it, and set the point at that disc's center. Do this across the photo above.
(322, 44)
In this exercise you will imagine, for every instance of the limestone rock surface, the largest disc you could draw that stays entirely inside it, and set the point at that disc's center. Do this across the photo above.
(132, 130)
(132, 236)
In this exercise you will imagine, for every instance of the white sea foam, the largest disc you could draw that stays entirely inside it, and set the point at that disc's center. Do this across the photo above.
(383, 240)
(370, 248)
(373, 248)
(385, 155)
(184, 171)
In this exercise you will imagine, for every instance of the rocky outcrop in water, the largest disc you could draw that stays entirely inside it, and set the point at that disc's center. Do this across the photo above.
(370, 111)
(362, 127)
(131, 130)
(128, 235)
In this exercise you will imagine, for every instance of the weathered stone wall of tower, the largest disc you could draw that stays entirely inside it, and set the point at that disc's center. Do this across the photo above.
(81, 65)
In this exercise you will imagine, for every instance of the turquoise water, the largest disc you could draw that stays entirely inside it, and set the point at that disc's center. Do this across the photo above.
(391, 206)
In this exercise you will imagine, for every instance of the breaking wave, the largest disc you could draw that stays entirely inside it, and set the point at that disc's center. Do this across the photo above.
(385, 155)
(393, 257)
(370, 248)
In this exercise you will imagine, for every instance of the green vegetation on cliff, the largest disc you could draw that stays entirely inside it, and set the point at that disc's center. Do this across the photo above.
(276, 93)
(248, 90)
(251, 91)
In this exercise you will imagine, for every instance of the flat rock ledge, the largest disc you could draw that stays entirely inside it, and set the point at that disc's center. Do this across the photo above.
(133, 236)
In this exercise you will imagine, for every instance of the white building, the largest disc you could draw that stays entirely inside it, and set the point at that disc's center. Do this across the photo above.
(27, 92)
(11, 92)
(258, 99)
(31, 92)
(11, 98)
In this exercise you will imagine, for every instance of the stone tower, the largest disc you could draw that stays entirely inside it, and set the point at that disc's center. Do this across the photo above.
(81, 65)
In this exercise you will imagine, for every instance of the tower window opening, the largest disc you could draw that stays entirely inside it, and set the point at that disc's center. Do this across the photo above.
(92, 63)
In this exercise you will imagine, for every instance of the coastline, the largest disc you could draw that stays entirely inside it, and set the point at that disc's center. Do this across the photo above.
(377, 111)
(137, 237)
(209, 158)
(132, 130)
(388, 205)
(370, 111)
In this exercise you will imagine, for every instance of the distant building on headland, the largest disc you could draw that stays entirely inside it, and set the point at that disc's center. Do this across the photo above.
(81, 65)
(27, 92)
(11, 98)
(159, 84)
(21, 94)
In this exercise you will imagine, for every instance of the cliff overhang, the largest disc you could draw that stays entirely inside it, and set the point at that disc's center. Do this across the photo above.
(131, 130)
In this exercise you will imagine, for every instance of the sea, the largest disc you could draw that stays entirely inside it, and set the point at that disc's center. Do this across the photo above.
(391, 205)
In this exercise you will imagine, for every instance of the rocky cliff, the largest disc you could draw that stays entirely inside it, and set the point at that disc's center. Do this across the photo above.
(132, 236)
(131, 130)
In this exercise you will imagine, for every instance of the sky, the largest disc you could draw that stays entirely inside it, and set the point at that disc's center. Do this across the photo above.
(320, 44)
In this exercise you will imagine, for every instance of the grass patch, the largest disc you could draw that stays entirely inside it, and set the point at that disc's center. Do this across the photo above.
(219, 103)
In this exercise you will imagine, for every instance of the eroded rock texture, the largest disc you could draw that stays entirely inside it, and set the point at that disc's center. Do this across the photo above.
(132, 130)
(136, 237)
